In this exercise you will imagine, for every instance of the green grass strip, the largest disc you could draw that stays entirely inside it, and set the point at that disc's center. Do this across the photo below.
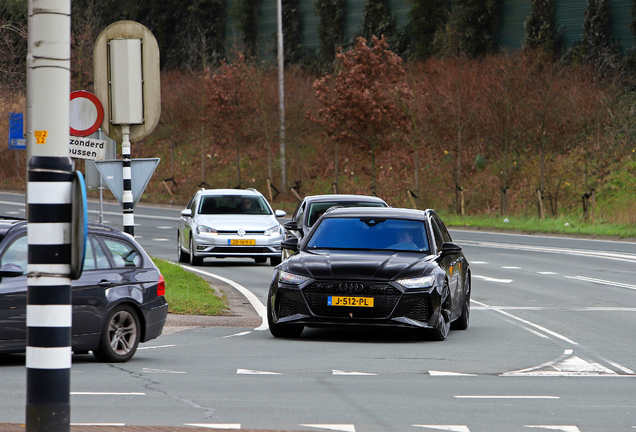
(189, 294)
(563, 225)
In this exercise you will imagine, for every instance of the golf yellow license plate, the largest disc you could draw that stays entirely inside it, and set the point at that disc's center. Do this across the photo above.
(242, 242)
(350, 301)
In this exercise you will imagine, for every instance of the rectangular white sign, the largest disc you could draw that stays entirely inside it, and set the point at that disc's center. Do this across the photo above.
(87, 148)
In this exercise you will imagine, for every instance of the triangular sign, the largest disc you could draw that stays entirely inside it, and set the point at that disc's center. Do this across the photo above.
(141, 171)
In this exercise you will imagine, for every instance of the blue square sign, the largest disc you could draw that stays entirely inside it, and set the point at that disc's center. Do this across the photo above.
(16, 131)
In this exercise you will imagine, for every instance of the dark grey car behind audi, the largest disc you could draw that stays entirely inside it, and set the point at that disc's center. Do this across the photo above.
(118, 302)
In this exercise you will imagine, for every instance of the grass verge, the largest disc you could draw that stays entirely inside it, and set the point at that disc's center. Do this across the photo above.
(563, 225)
(189, 294)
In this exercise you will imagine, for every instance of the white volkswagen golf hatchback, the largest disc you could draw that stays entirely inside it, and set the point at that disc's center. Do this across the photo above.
(225, 223)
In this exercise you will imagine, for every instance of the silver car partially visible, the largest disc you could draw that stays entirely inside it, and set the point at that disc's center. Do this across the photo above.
(229, 223)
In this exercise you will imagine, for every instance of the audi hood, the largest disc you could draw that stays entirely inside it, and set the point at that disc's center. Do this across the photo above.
(371, 265)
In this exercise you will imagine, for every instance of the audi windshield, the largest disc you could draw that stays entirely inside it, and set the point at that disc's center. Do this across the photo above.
(369, 233)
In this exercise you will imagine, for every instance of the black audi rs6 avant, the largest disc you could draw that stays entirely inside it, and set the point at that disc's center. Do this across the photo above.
(372, 267)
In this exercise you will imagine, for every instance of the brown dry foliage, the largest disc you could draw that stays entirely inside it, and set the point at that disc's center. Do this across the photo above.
(491, 123)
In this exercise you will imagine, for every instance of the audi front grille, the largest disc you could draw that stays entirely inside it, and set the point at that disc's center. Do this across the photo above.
(385, 297)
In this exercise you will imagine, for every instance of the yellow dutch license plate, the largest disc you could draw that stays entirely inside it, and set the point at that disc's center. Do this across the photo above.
(242, 242)
(350, 301)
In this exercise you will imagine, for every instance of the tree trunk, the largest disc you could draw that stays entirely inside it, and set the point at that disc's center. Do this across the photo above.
(373, 185)
(336, 168)
(238, 167)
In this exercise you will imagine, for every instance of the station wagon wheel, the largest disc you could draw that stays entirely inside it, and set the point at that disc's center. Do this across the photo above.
(194, 260)
(464, 319)
(444, 322)
(182, 256)
(278, 330)
(120, 335)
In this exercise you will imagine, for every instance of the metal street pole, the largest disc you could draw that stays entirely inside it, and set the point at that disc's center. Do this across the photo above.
(49, 186)
(281, 98)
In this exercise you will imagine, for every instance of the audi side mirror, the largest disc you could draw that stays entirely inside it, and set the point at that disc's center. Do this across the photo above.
(186, 213)
(450, 248)
(280, 213)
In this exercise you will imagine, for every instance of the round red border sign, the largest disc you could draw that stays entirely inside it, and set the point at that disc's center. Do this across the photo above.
(90, 112)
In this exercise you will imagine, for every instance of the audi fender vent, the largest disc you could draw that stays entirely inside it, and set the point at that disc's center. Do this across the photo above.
(286, 307)
(420, 312)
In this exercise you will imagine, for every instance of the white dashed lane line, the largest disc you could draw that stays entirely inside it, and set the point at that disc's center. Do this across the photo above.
(602, 282)
(107, 394)
(489, 279)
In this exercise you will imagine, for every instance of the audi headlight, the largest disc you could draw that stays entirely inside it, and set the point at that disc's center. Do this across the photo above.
(418, 282)
(204, 231)
(273, 231)
(291, 279)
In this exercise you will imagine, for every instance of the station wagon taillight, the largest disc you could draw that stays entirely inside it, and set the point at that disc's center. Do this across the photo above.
(161, 286)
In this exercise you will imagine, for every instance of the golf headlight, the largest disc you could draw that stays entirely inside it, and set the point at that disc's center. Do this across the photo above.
(206, 231)
(419, 282)
(291, 279)
(273, 231)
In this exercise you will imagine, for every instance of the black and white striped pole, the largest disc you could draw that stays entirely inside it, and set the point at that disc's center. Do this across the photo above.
(49, 199)
(127, 197)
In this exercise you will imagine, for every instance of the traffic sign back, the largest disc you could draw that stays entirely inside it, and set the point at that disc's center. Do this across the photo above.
(141, 172)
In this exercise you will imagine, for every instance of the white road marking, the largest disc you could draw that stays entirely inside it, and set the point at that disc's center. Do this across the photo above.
(620, 367)
(335, 427)
(19, 204)
(155, 347)
(479, 262)
(506, 397)
(603, 282)
(617, 256)
(442, 373)
(565, 365)
(107, 394)
(547, 273)
(556, 427)
(259, 307)
(528, 323)
(536, 333)
(215, 425)
(511, 268)
(567, 309)
(489, 279)
(165, 227)
(13, 213)
(146, 370)
(161, 239)
(451, 428)
(237, 334)
(341, 373)
(137, 215)
(255, 372)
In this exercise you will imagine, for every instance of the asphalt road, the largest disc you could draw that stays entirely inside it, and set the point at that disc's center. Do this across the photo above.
(550, 347)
